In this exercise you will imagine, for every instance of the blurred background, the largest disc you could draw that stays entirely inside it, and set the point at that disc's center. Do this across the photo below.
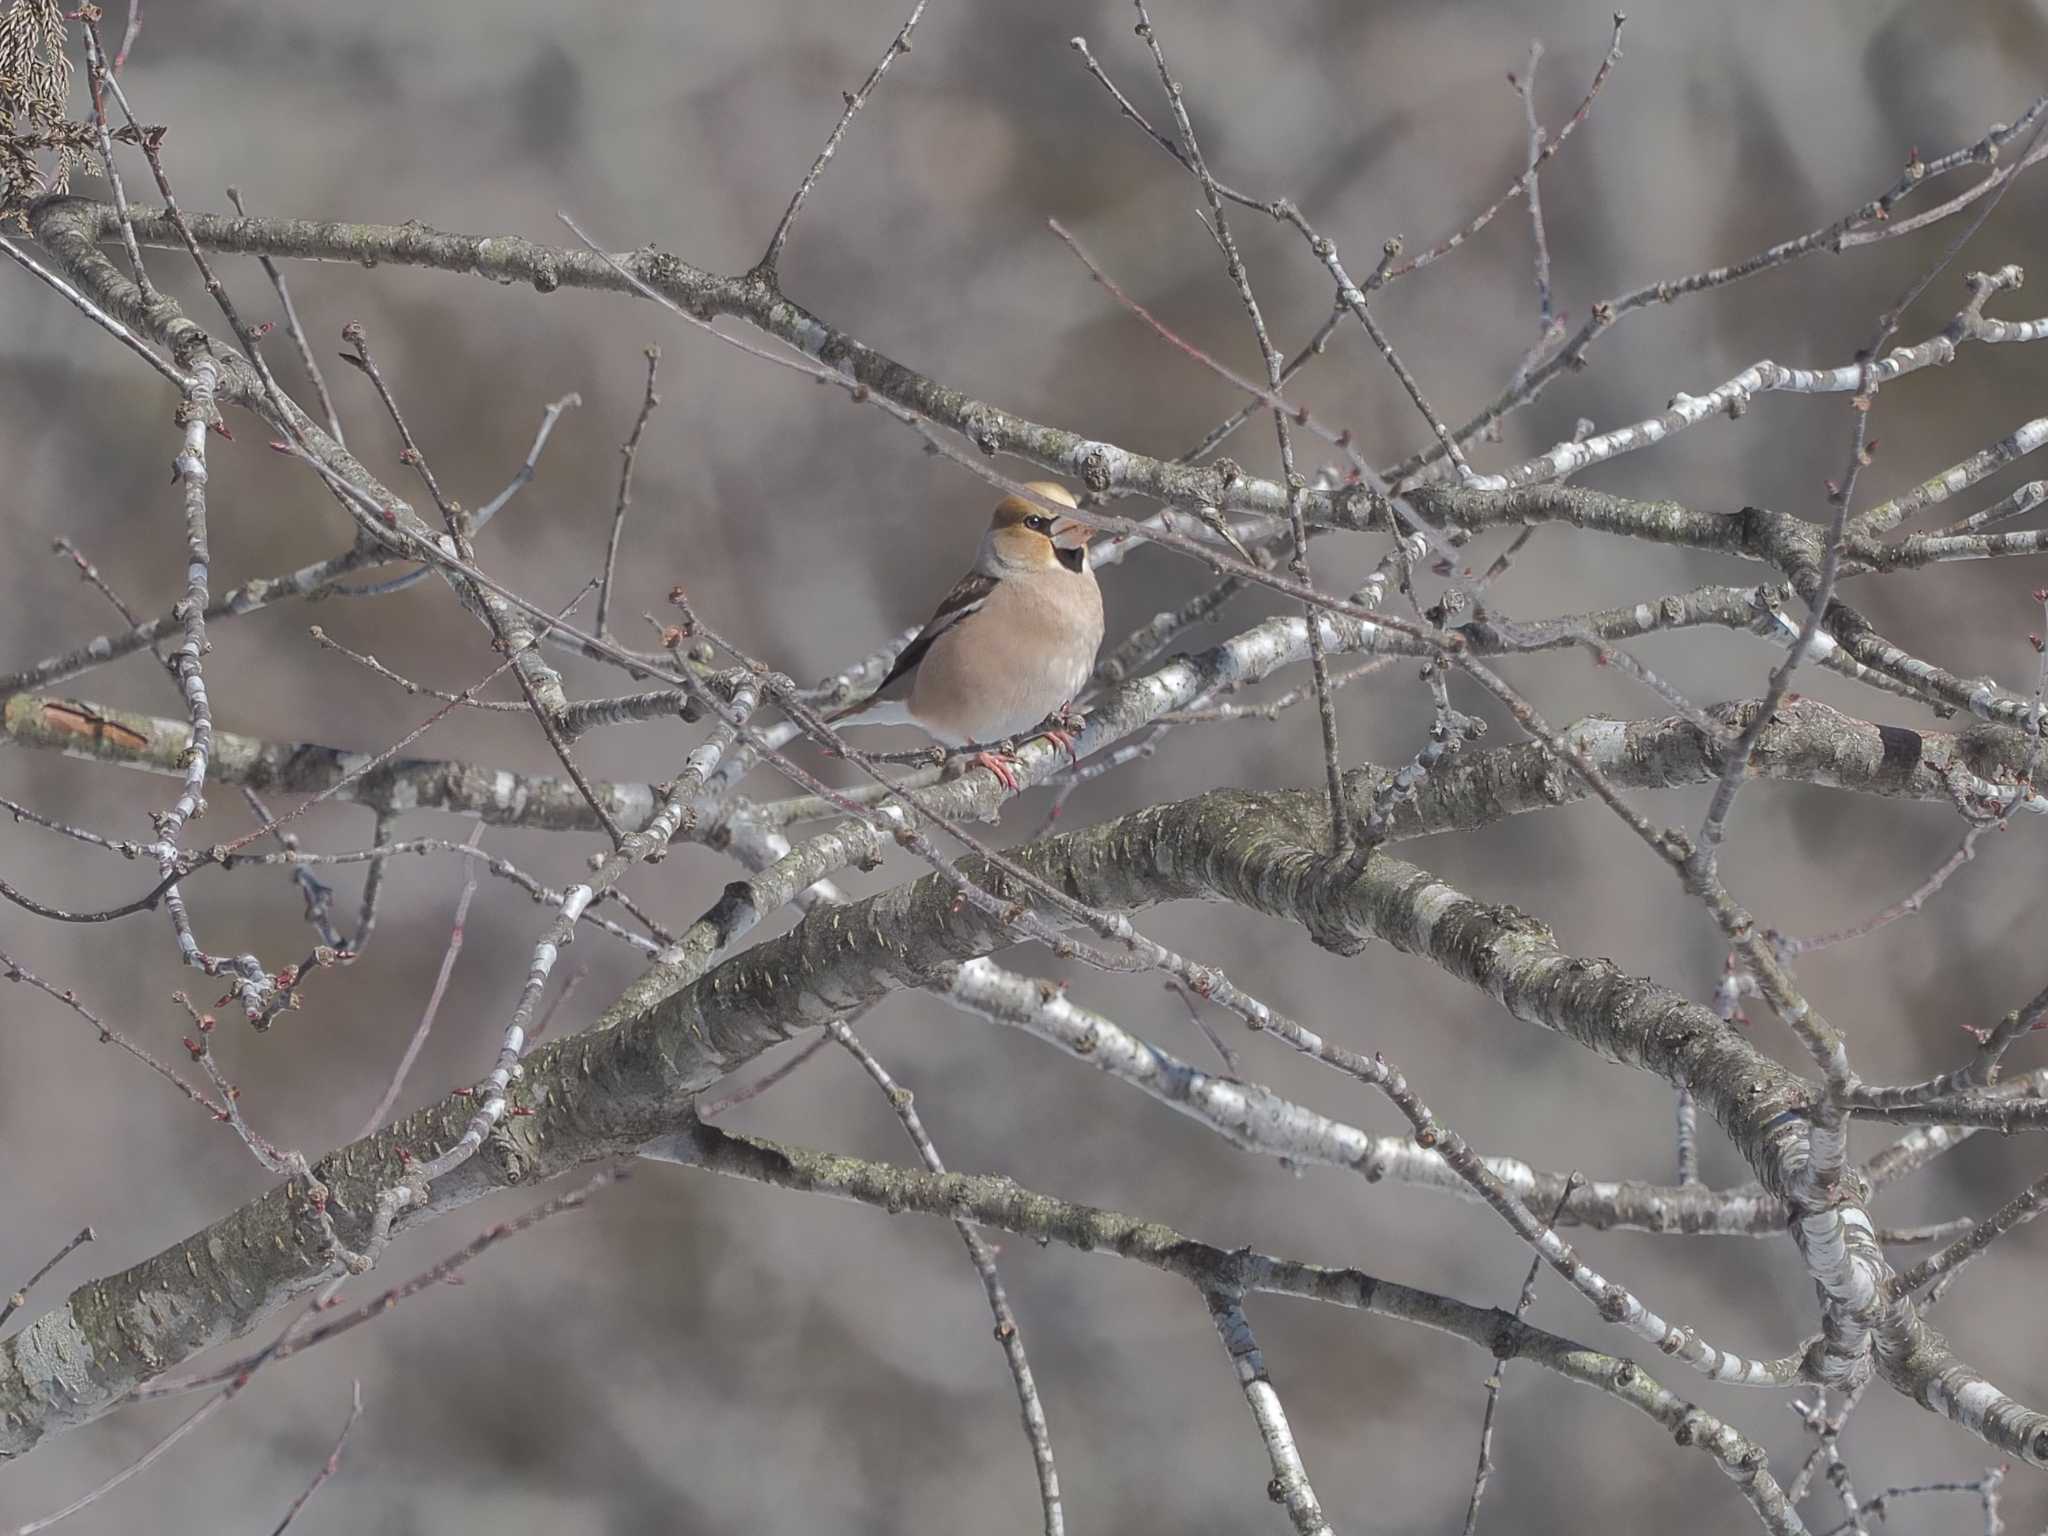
(687, 1354)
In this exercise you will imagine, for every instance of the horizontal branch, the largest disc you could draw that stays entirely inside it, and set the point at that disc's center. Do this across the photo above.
(307, 581)
(157, 744)
(1807, 743)
(1004, 1206)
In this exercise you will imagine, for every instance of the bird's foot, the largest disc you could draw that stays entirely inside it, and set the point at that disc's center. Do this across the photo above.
(1062, 726)
(1064, 740)
(1001, 764)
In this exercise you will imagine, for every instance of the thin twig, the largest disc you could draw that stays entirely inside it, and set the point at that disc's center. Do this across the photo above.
(426, 1024)
(96, 79)
(1523, 1302)
(293, 328)
(1230, 1059)
(1350, 296)
(561, 999)
(984, 1260)
(1946, 1264)
(19, 1298)
(1297, 485)
(128, 34)
(529, 466)
(199, 1045)
(305, 1336)
(142, 1463)
(13, 970)
(409, 450)
(765, 1081)
(368, 765)
(331, 1465)
(245, 335)
(1525, 87)
(771, 258)
(370, 663)
(552, 730)
(93, 312)
(629, 451)
(473, 523)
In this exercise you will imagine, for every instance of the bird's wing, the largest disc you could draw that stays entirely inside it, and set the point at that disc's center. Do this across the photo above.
(965, 598)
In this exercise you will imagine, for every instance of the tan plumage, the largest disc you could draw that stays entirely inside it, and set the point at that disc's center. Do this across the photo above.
(1014, 641)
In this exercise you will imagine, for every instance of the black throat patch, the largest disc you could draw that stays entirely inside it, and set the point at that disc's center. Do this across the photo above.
(1075, 559)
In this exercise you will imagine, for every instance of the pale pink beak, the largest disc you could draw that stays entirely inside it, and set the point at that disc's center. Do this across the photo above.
(1068, 534)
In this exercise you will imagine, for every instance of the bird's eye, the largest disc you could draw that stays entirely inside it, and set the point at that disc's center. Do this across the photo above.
(1038, 524)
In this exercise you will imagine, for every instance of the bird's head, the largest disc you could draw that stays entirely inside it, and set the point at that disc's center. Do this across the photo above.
(1023, 536)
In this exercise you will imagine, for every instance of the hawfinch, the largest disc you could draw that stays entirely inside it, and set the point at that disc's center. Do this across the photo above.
(1012, 644)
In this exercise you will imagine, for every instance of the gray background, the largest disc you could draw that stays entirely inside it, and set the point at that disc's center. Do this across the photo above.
(694, 1355)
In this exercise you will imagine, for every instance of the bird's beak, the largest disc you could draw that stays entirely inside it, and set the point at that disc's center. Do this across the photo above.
(1070, 544)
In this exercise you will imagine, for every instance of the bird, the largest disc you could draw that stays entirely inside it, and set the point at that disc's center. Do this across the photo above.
(1011, 645)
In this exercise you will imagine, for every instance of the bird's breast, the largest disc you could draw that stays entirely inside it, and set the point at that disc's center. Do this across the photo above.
(1026, 652)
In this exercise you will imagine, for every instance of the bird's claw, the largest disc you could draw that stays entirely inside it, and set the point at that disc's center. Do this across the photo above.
(1063, 726)
(1001, 764)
